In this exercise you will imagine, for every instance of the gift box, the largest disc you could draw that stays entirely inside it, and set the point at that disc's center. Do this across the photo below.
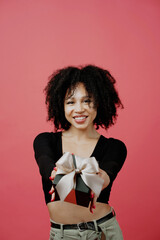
(80, 174)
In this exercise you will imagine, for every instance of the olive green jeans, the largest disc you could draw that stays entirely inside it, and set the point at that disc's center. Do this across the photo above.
(110, 230)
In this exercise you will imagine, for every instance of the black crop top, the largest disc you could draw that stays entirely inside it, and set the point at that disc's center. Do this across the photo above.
(109, 152)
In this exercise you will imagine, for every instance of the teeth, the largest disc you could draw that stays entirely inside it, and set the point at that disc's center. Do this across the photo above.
(80, 118)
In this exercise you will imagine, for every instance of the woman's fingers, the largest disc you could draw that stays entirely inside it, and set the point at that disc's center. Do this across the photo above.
(53, 197)
(53, 174)
(52, 193)
(52, 190)
(51, 178)
(55, 169)
(93, 201)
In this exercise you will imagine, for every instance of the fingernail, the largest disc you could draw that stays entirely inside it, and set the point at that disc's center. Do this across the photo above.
(94, 206)
(50, 192)
(50, 178)
(52, 200)
(92, 195)
(55, 168)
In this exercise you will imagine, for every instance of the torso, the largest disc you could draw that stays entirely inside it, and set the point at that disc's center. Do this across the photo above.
(68, 213)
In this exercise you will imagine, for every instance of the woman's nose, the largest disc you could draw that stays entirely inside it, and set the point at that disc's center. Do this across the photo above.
(79, 107)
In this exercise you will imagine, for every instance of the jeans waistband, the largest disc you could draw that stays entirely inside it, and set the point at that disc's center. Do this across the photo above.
(84, 225)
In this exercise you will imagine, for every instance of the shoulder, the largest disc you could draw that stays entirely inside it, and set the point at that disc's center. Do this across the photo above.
(118, 144)
(41, 137)
(45, 144)
(115, 145)
(45, 138)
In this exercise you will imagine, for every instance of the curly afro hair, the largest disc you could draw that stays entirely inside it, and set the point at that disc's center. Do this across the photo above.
(99, 84)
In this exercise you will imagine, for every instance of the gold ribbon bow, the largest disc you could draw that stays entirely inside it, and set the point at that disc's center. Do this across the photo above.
(87, 167)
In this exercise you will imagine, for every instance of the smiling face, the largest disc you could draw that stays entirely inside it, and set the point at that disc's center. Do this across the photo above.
(79, 108)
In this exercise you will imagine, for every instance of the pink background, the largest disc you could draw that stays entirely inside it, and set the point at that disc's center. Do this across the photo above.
(36, 38)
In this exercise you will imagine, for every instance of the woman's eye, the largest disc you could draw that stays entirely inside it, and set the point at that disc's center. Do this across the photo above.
(87, 101)
(70, 102)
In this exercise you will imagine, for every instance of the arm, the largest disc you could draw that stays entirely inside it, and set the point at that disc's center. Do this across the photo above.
(113, 158)
(44, 154)
(111, 161)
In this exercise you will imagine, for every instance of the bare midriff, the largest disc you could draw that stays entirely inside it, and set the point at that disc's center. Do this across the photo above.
(69, 213)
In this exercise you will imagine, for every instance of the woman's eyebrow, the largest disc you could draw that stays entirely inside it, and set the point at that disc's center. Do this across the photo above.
(72, 97)
(69, 97)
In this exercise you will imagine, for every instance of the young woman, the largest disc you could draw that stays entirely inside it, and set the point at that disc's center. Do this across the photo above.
(79, 100)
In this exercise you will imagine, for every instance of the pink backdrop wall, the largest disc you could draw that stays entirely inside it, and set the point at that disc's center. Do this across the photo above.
(37, 37)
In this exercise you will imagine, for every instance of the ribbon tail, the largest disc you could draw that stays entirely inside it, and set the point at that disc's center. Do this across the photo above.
(65, 185)
(94, 182)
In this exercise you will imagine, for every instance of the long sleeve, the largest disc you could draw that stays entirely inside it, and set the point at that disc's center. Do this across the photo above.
(43, 147)
(113, 159)
(111, 156)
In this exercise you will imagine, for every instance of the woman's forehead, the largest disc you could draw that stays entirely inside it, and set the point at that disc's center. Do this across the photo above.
(78, 90)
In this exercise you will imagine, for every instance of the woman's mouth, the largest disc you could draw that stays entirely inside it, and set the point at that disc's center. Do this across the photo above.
(80, 119)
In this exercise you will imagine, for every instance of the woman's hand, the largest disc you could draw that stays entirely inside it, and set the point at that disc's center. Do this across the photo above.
(53, 174)
(106, 179)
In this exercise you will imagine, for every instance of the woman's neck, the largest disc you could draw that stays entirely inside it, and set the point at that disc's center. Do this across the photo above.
(81, 134)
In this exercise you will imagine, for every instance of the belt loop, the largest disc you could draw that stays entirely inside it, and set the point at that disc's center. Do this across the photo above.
(95, 225)
(62, 231)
